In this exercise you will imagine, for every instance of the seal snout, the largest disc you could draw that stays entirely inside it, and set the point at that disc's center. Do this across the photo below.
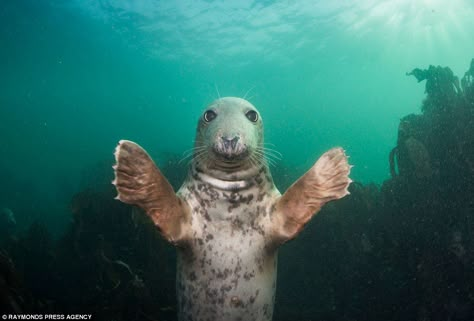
(230, 147)
(230, 143)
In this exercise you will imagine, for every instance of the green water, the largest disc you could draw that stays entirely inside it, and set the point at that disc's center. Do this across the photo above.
(77, 76)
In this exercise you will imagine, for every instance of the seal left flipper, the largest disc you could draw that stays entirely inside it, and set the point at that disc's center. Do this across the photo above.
(328, 179)
(139, 182)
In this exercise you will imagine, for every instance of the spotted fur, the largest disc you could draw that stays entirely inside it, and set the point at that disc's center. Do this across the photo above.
(229, 270)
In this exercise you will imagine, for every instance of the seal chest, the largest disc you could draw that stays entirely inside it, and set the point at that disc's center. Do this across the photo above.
(229, 271)
(228, 219)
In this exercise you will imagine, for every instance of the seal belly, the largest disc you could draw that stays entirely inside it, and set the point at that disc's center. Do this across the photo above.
(227, 276)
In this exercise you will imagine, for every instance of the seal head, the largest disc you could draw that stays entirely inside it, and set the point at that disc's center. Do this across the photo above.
(229, 139)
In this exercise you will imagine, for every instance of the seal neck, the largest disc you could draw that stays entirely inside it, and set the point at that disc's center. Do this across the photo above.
(224, 185)
(234, 181)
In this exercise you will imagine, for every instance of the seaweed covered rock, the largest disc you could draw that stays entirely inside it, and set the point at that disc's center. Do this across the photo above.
(428, 215)
(116, 254)
(440, 142)
(442, 86)
(111, 263)
(443, 89)
(410, 159)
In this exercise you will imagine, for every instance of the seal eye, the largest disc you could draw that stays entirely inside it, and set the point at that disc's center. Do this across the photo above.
(209, 115)
(252, 115)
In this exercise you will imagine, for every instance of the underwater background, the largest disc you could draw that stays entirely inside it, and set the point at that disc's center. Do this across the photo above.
(391, 81)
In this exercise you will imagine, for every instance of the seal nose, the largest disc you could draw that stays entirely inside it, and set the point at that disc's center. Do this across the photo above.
(230, 142)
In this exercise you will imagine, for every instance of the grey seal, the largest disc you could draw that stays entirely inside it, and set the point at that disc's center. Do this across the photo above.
(228, 219)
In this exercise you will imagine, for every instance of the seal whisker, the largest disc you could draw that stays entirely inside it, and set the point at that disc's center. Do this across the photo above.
(262, 155)
(271, 150)
(184, 158)
(259, 153)
(272, 156)
(195, 156)
(255, 160)
(270, 162)
(191, 153)
(199, 157)
(273, 159)
(193, 149)
(252, 161)
(259, 156)
(204, 160)
(248, 91)
(268, 155)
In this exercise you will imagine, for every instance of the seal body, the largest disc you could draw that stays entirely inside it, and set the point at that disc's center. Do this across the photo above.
(228, 219)
(229, 270)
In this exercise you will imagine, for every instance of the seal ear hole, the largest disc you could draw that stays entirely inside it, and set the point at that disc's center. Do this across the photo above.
(209, 115)
(252, 115)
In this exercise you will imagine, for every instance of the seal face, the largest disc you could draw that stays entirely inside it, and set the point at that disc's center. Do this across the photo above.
(229, 139)
(228, 218)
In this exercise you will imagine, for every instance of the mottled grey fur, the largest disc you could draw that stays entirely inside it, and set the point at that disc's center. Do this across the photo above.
(228, 271)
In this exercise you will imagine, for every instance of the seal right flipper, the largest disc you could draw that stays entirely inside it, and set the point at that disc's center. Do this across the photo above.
(328, 179)
(139, 182)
